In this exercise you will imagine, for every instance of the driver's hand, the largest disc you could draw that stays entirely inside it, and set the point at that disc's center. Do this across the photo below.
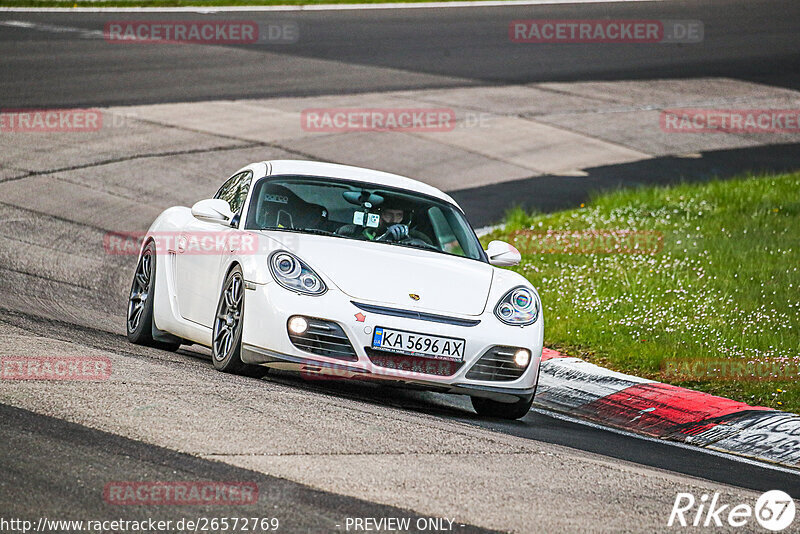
(396, 232)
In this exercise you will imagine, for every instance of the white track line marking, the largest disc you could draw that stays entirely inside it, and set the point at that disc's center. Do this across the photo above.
(88, 34)
(318, 7)
(695, 448)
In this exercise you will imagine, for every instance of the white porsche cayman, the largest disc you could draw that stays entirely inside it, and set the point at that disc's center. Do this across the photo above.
(336, 270)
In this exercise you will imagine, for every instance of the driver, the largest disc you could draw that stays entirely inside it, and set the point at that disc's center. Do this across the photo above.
(390, 228)
(393, 226)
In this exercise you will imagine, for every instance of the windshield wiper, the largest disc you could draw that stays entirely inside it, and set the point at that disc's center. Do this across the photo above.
(415, 245)
(315, 231)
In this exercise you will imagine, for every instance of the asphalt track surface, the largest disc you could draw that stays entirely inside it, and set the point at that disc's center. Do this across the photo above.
(49, 486)
(385, 50)
(371, 51)
(550, 193)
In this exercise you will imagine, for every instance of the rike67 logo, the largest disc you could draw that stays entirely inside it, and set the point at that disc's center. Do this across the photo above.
(774, 511)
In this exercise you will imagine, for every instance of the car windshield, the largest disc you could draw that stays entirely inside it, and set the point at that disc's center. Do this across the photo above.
(361, 211)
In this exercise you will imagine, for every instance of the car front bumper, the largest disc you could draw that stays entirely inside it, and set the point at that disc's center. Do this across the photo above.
(266, 341)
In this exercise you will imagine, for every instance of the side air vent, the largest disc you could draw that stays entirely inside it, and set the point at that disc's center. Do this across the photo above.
(497, 364)
(324, 338)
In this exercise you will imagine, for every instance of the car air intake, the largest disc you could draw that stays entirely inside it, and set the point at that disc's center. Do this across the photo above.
(412, 364)
(324, 338)
(497, 364)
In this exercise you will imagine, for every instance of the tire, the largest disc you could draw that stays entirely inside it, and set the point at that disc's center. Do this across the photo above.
(139, 318)
(226, 341)
(502, 410)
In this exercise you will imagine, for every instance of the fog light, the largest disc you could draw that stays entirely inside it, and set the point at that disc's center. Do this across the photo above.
(522, 357)
(298, 325)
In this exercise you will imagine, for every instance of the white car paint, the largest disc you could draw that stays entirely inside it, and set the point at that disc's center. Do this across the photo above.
(188, 286)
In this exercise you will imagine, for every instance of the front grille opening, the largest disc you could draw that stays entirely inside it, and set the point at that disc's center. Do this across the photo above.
(497, 364)
(413, 364)
(324, 338)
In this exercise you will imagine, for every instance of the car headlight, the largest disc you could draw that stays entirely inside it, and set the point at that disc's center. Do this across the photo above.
(290, 272)
(518, 307)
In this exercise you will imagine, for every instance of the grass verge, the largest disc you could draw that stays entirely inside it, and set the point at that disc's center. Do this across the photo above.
(716, 309)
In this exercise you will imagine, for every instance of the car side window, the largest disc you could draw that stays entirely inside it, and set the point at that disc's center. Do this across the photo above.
(241, 193)
(223, 191)
(445, 232)
(235, 190)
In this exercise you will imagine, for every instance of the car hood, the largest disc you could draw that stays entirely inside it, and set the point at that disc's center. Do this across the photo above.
(384, 274)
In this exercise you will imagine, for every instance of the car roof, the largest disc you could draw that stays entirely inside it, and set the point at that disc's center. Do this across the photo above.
(356, 174)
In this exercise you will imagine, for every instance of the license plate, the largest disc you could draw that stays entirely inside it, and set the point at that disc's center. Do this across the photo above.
(412, 343)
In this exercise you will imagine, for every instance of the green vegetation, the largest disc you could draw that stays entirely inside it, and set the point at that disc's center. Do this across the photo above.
(725, 287)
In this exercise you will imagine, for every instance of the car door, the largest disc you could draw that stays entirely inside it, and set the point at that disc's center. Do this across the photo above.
(201, 251)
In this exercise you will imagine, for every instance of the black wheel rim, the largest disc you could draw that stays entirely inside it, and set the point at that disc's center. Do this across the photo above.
(140, 290)
(229, 318)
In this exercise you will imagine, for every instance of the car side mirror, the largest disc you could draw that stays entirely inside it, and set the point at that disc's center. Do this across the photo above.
(213, 210)
(503, 254)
